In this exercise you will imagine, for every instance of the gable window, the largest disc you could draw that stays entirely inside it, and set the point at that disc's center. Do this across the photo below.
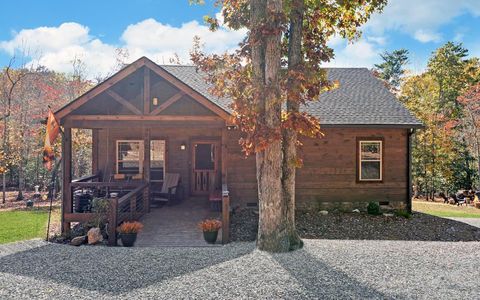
(129, 157)
(370, 160)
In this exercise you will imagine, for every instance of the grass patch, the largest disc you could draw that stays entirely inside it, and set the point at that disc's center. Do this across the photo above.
(18, 225)
(445, 210)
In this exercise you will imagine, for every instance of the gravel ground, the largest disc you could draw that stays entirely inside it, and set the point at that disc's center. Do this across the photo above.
(361, 226)
(327, 269)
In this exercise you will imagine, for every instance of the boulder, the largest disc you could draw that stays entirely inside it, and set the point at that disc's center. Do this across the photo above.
(356, 210)
(323, 212)
(79, 240)
(94, 236)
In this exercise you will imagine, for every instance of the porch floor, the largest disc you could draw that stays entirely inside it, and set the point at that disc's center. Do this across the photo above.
(176, 225)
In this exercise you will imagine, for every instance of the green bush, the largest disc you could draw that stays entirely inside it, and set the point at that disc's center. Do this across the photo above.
(373, 208)
(403, 213)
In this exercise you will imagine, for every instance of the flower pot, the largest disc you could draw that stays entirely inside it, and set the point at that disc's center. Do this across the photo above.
(210, 236)
(128, 239)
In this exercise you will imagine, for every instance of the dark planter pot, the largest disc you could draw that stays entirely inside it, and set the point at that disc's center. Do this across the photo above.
(210, 236)
(128, 239)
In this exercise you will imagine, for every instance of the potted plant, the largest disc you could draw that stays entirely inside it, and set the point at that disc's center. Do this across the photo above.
(210, 229)
(128, 232)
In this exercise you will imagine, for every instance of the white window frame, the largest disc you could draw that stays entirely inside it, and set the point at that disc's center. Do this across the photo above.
(360, 142)
(141, 154)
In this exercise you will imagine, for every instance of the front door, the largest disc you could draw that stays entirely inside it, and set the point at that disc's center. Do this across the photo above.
(205, 174)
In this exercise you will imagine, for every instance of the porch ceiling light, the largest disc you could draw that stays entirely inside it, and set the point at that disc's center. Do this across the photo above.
(155, 101)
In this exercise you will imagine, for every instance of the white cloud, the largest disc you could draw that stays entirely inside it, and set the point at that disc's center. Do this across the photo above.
(359, 54)
(426, 37)
(59, 46)
(420, 19)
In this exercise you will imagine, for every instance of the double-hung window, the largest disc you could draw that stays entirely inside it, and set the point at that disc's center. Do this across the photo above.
(370, 160)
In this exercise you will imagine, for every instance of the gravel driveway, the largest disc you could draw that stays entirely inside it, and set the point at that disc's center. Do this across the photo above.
(323, 269)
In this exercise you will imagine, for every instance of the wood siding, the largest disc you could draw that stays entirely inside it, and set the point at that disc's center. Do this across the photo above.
(329, 170)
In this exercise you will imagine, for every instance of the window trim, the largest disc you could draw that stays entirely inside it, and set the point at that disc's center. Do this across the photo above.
(361, 140)
(141, 154)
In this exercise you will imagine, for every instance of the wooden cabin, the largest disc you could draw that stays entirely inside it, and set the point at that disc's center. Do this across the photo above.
(149, 120)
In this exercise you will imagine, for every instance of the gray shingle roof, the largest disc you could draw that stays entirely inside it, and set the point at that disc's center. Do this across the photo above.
(361, 98)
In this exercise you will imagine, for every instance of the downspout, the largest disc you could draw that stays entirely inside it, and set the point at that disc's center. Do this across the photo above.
(409, 170)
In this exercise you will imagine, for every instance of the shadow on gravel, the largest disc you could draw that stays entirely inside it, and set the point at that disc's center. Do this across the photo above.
(360, 226)
(321, 281)
(115, 270)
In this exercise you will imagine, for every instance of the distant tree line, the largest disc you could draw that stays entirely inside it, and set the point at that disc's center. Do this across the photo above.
(445, 97)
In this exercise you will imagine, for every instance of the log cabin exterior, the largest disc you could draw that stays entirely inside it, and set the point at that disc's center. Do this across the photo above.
(148, 120)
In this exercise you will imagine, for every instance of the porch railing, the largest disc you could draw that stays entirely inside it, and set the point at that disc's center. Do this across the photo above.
(129, 207)
(131, 203)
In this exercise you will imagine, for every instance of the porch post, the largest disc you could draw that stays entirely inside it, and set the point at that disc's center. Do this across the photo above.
(66, 176)
(225, 192)
(146, 168)
(95, 151)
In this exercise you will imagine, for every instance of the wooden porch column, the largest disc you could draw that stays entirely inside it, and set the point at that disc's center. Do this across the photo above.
(146, 168)
(67, 177)
(225, 192)
(95, 151)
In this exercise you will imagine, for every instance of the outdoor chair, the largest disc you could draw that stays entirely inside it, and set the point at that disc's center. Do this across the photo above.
(168, 193)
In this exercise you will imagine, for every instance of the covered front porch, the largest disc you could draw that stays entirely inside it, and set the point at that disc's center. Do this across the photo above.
(157, 144)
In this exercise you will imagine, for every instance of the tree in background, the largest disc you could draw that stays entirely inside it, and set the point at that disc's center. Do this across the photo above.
(470, 101)
(442, 152)
(392, 69)
(278, 65)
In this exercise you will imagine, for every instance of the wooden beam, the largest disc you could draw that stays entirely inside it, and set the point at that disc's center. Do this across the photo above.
(146, 91)
(95, 144)
(67, 177)
(167, 103)
(103, 124)
(142, 118)
(100, 88)
(123, 102)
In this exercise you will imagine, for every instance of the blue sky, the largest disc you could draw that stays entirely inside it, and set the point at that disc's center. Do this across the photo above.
(59, 31)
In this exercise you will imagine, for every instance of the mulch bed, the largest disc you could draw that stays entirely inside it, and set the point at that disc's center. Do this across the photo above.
(361, 226)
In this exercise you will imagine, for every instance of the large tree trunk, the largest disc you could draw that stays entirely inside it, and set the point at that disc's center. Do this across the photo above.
(295, 60)
(266, 55)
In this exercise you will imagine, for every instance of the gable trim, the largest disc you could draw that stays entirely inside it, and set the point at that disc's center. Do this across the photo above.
(117, 77)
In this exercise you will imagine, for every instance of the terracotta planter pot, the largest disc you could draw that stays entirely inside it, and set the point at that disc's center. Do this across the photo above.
(210, 236)
(128, 239)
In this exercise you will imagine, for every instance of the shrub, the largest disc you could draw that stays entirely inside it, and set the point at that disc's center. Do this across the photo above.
(130, 227)
(373, 208)
(403, 213)
(210, 225)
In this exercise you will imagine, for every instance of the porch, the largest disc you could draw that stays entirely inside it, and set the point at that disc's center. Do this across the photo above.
(167, 225)
(145, 123)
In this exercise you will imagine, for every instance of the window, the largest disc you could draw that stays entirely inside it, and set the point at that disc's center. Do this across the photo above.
(370, 160)
(157, 160)
(130, 157)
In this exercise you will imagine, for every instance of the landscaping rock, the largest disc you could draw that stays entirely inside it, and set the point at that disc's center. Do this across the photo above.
(361, 226)
(388, 214)
(94, 236)
(323, 212)
(356, 210)
(79, 240)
